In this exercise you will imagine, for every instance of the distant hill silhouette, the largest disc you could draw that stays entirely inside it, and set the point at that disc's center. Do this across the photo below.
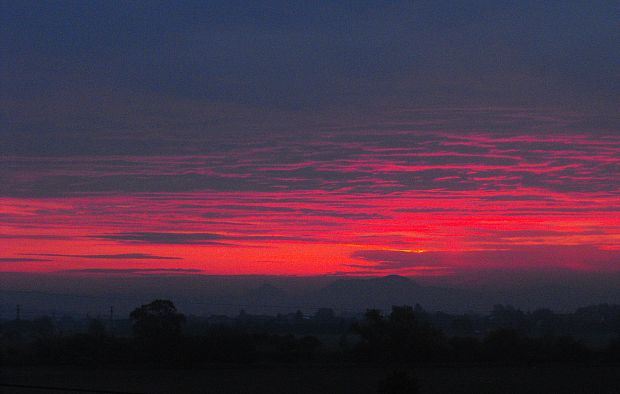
(348, 293)
(271, 295)
(265, 297)
(384, 292)
(371, 292)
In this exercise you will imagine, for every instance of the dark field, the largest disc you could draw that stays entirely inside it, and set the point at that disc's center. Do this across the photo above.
(319, 379)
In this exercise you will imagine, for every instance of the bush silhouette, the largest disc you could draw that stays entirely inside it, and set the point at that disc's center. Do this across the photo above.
(158, 320)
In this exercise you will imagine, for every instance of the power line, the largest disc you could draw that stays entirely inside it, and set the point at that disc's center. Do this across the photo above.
(138, 299)
(70, 389)
(212, 304)
(111, 320)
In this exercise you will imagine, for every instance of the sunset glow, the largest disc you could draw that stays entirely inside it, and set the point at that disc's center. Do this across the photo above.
(408, 202)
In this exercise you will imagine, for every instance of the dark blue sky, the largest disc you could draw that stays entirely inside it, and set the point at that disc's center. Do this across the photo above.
(85, 69)
(317, 55)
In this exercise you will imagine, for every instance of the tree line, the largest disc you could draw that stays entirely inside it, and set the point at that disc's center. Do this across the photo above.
(161, 335)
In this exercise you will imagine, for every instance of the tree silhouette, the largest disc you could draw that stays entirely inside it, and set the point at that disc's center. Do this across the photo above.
(158, 320)
(411, 339)
(399, 337)
(372, 332)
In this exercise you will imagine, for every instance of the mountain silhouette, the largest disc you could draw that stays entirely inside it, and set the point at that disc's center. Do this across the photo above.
(379, 292)
(202, 295)
(267, 299)
(266, 294)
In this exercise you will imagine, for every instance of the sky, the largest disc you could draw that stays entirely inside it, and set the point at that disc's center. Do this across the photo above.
(428, 139)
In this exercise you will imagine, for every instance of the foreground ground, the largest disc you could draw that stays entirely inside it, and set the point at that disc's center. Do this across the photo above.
(315, 379)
